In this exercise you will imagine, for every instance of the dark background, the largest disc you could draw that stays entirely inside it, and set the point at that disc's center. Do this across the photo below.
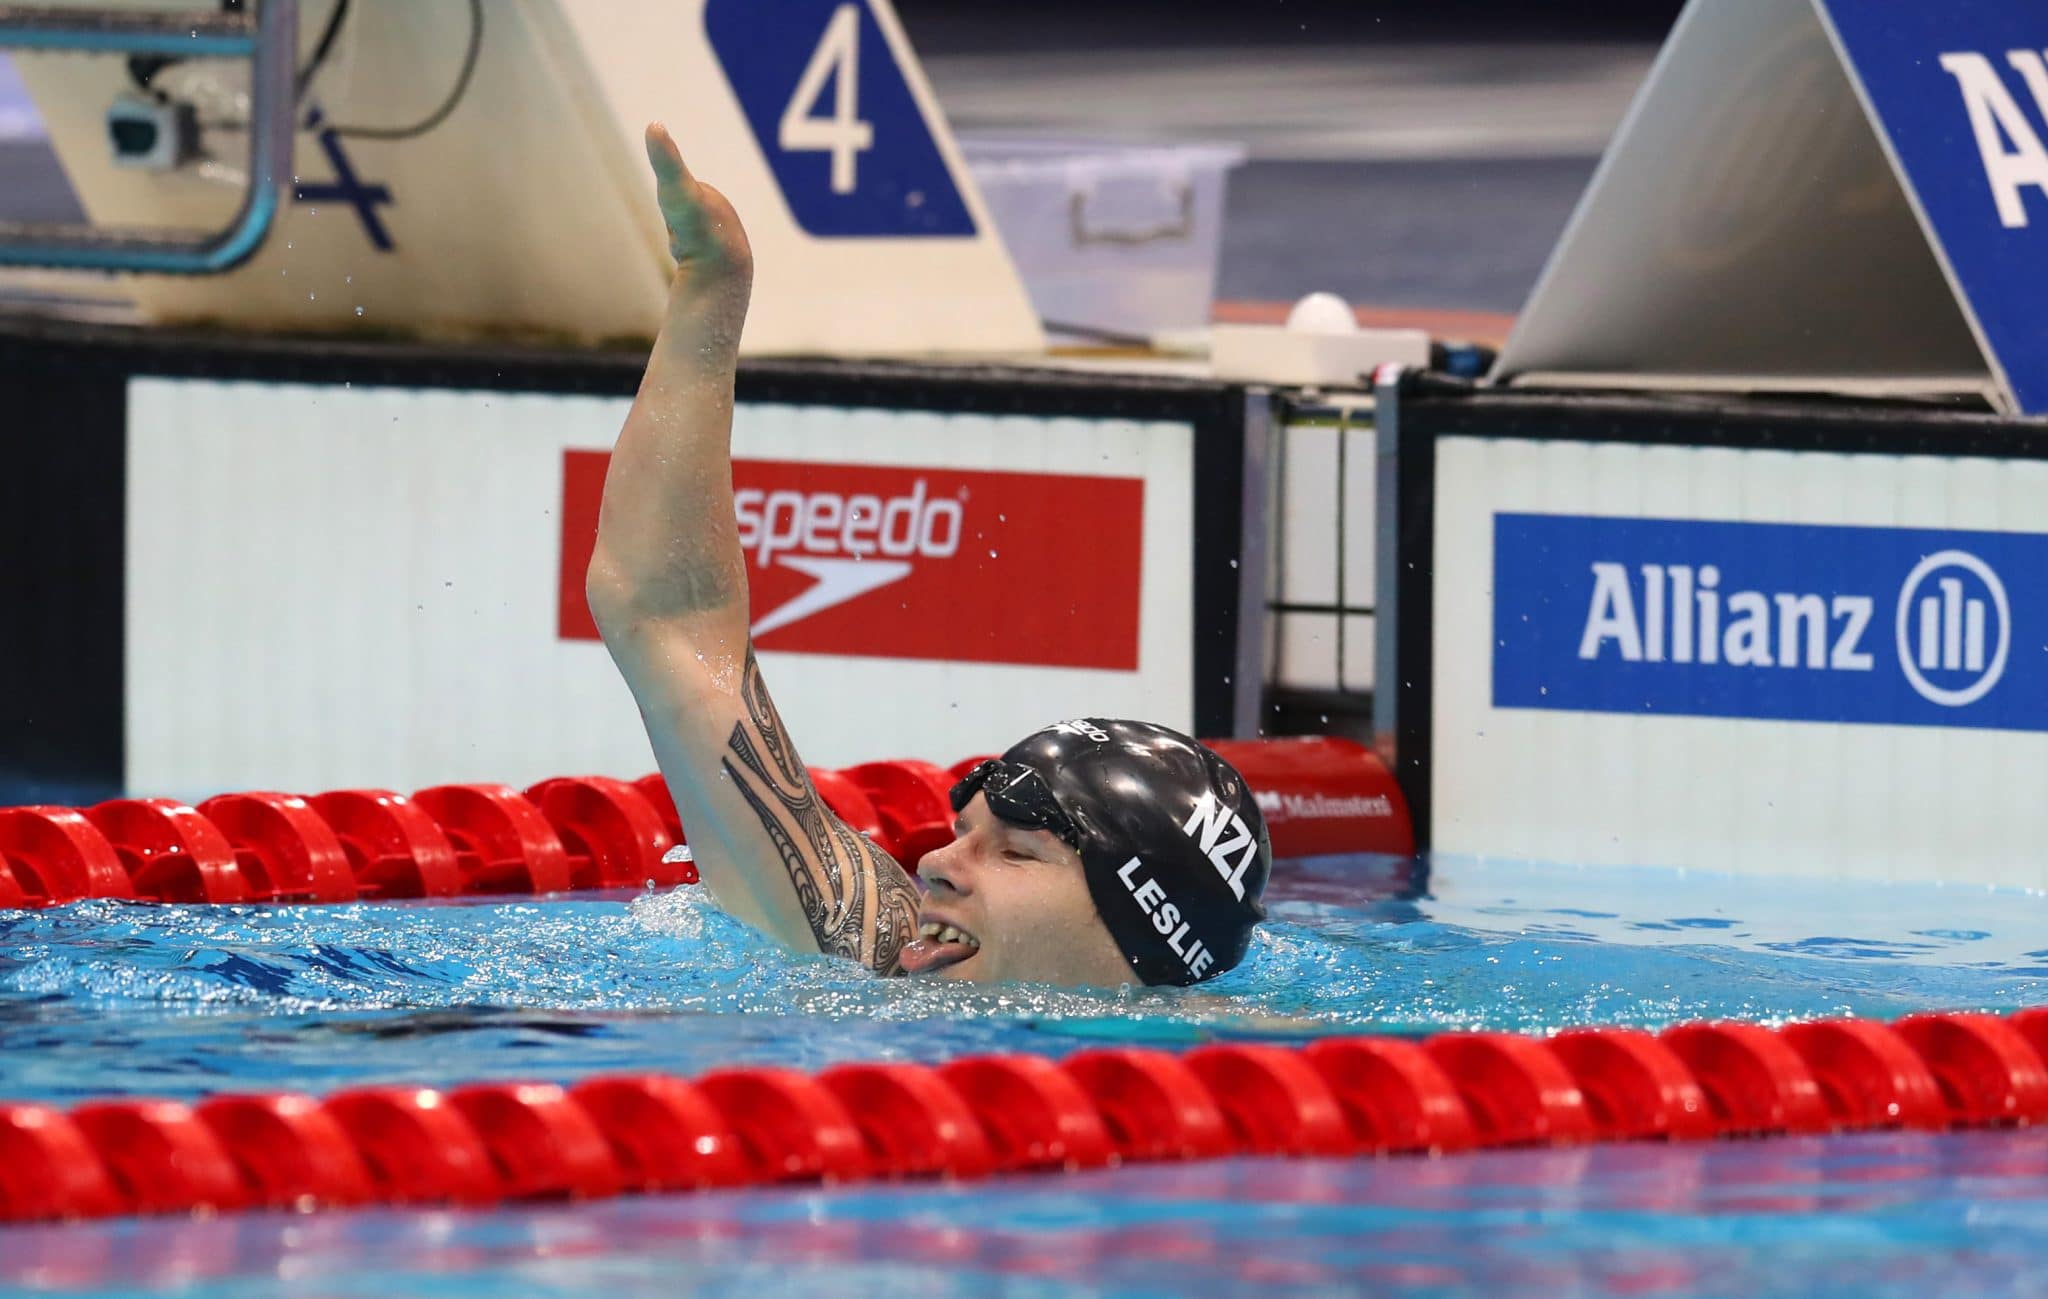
(1066, 24)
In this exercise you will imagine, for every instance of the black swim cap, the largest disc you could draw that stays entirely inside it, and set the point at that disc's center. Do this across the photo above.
(1173, 846)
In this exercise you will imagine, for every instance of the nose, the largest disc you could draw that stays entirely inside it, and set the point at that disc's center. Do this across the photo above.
(944, 868)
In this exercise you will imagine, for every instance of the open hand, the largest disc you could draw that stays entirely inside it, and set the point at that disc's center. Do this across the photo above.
(704, 233)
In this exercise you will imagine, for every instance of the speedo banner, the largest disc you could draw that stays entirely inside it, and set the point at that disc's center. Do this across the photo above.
(914, 563)
(1790, 622)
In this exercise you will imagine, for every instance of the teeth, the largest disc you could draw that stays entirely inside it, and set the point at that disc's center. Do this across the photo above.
(946, 933)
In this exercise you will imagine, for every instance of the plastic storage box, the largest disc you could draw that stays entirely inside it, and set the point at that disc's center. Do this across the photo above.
(1110, 238)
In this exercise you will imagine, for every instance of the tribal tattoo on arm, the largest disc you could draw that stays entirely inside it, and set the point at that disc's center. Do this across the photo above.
(861, 905)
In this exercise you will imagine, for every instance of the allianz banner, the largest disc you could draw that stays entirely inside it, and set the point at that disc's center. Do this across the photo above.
(1787, 622)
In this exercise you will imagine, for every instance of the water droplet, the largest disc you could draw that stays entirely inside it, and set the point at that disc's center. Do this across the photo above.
(310, 297)
(359, 311)
(991, 554)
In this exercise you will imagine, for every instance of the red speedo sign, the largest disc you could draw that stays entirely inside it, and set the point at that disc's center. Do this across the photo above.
(884, 562)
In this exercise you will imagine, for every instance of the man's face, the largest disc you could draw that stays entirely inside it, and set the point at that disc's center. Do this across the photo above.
(1022, 896)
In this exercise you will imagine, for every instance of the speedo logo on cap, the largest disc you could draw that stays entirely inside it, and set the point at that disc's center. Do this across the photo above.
(1224, 838)
(1165, 916)
(1085, 730)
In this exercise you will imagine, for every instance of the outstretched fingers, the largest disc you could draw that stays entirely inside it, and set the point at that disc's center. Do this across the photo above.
(703, 230)
(670, 173)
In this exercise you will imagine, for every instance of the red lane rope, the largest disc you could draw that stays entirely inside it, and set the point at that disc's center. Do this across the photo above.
(490, 1142)
(581, 832)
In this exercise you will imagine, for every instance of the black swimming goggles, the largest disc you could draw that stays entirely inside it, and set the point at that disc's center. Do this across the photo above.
(1019, 796)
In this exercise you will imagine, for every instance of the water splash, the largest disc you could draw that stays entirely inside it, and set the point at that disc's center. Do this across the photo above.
(107, 996)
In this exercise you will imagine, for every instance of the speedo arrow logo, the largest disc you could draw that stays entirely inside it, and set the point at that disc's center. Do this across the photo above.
(924, 562)
(848, 544)
(838, 580)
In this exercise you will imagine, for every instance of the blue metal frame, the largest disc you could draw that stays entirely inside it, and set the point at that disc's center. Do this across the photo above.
(271, 42)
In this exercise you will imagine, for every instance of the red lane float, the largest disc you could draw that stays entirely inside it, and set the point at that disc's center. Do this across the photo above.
(614, 838)
(170, 851)
(851, 804)
(1034, 1113)
(1984, 1066)
(415, 1146)
(48, 1169)
(291, 1152)
(1755, 1083)
(1273, 1099)
(285, 851)
(1634, 1085)
(541, 1142)
(1153, 1104)
(1323, 795)
(654, 788)
(161, 1156)
(1395, 1096)
(1869, 1076)
(913, 1122)
(912, 799)
(1517, 1090)
(751, 1126)
(791, 1128)
(394, 848)
(1320, 796)
(665, 1133)
(503, 844)
(53, 854)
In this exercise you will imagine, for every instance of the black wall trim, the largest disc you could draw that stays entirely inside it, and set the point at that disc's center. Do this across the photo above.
(63, 419)
(1414, 622)
(1845, 428)
(1218, 555)
(63, 521)
(43, 347)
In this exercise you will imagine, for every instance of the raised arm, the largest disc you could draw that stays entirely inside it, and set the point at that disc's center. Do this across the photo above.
(668, 589)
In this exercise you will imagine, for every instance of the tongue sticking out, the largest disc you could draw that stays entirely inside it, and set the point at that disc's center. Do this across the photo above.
(926, 954)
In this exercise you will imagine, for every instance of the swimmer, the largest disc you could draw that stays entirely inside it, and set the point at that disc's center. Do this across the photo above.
(1094, 852)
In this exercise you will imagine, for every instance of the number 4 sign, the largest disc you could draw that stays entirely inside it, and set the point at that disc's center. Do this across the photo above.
(822, 88)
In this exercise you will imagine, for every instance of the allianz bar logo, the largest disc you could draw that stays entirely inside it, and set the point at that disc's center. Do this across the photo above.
(1774, 621)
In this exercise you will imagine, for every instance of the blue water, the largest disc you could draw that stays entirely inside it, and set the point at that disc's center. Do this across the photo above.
(107, 998)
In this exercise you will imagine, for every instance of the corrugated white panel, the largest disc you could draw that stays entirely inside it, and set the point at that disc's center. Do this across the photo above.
(1757, 797)
(1324, 512)
(357, 586)
(1307, 522)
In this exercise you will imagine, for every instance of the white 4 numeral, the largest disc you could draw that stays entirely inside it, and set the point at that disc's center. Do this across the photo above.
(842, 133)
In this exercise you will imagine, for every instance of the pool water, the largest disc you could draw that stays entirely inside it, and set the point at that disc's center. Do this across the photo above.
(105, 998)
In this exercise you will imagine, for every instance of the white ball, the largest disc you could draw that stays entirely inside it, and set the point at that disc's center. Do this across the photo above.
(1322, 313)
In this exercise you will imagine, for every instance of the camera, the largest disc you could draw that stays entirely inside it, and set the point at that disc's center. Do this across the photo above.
(154, 134)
